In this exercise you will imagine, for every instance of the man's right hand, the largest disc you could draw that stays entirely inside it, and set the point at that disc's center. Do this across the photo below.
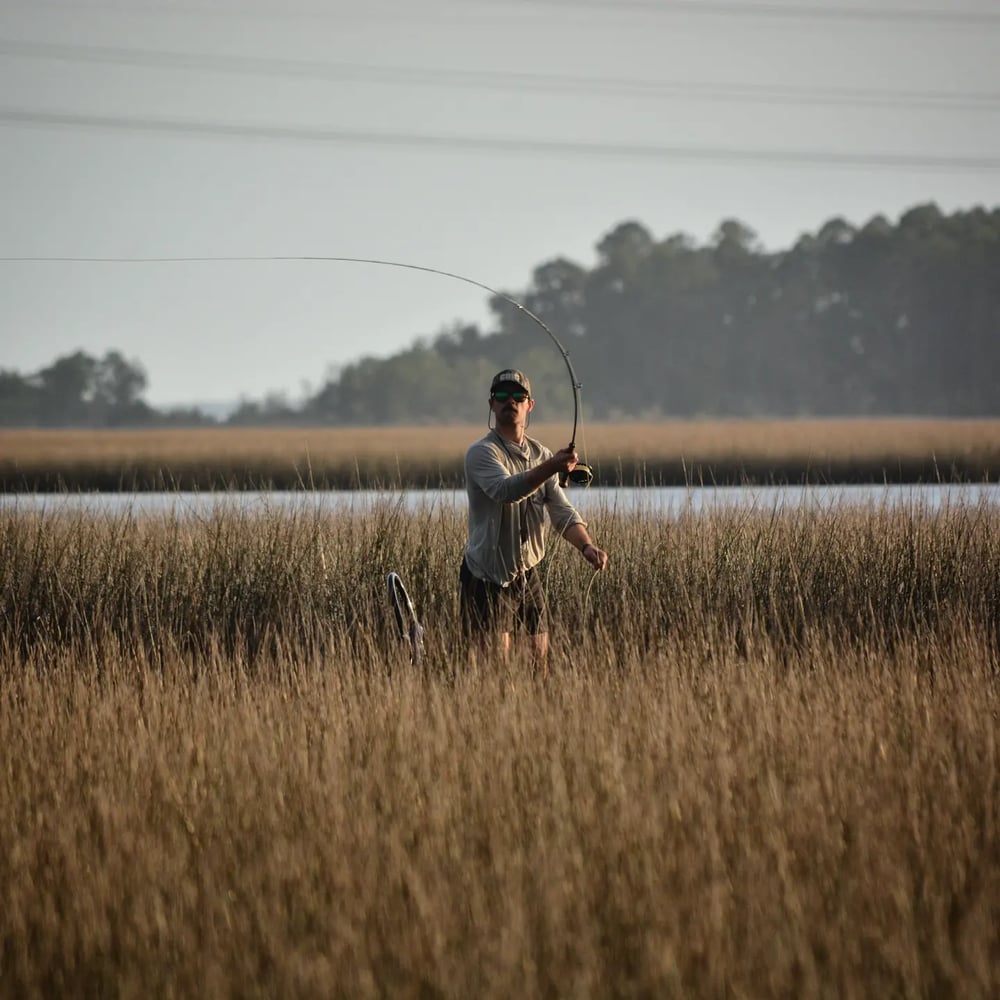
(564, 460)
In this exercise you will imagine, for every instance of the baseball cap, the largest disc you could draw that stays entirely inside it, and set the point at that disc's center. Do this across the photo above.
(511, 376)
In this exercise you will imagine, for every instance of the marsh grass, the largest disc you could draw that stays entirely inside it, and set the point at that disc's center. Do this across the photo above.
(765, 762)
(302, 577)
(680, 452)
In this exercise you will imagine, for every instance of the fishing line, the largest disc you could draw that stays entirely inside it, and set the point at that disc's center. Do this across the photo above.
(408, 624)
(586, 593)
(582, 474)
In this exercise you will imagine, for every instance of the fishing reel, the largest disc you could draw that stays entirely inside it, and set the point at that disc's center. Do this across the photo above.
(582, 475)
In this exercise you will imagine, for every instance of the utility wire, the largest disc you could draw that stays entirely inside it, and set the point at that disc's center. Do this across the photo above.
(504, 80)
(752, 9)
(972, 16)
(496, 144)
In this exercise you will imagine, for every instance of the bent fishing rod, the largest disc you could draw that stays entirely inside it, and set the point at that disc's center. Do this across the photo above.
(408, 627)
(581, 475)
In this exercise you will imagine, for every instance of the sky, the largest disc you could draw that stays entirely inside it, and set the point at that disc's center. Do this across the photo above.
(480, 137)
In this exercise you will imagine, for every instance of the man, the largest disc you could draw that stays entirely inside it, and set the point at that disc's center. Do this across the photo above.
(512, 480)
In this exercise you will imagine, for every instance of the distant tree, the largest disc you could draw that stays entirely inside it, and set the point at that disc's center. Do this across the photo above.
(118, 383)
(457, 342)
(625, 247)
(835, 232)
(734, 238)
(67, 388)
(273, 410)
(77, 390)
(181, 416)
(19, 400)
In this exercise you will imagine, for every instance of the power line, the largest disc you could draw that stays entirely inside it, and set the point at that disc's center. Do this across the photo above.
(495, 144)
(973, 17)
(242, 8)
(505, 80)
(750, 10)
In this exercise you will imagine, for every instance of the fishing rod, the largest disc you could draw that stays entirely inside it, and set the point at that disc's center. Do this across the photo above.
(407, 624)
(582, 474)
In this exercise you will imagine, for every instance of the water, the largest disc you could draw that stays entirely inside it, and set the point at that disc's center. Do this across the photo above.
(665, 501)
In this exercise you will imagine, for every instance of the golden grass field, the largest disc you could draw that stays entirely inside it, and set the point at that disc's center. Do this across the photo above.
(764, 764)
(622, 454)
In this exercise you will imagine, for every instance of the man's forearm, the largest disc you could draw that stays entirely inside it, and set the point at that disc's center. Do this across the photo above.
(538, 474)
(578, 536)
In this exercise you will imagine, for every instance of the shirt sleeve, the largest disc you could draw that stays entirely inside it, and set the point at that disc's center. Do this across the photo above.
(562, 513)
(485, 468)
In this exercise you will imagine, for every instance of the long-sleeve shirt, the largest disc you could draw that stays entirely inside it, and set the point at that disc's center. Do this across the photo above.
(506, 514)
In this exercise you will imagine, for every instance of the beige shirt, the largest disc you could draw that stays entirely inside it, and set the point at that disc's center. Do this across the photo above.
(506, 515)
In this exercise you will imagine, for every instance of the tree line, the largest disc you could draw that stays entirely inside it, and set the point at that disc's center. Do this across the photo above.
(878, 320)
(80, 390)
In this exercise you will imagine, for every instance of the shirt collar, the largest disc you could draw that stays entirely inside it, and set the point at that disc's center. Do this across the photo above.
(524, 449)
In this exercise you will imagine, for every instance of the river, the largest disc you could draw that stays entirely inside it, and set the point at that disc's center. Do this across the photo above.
(665, 501)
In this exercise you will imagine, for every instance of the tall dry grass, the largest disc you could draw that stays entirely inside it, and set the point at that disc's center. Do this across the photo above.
(301, 577)
(900, 450)
(765, 762)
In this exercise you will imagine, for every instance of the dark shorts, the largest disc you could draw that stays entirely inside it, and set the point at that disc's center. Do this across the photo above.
(487, 607)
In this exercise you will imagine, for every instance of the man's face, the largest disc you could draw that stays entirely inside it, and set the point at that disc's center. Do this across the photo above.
(510, 403)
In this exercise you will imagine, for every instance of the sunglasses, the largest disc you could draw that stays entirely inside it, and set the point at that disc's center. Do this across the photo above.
(502, 397)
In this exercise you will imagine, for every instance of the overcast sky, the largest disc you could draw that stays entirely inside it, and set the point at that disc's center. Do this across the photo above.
(477, 136)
